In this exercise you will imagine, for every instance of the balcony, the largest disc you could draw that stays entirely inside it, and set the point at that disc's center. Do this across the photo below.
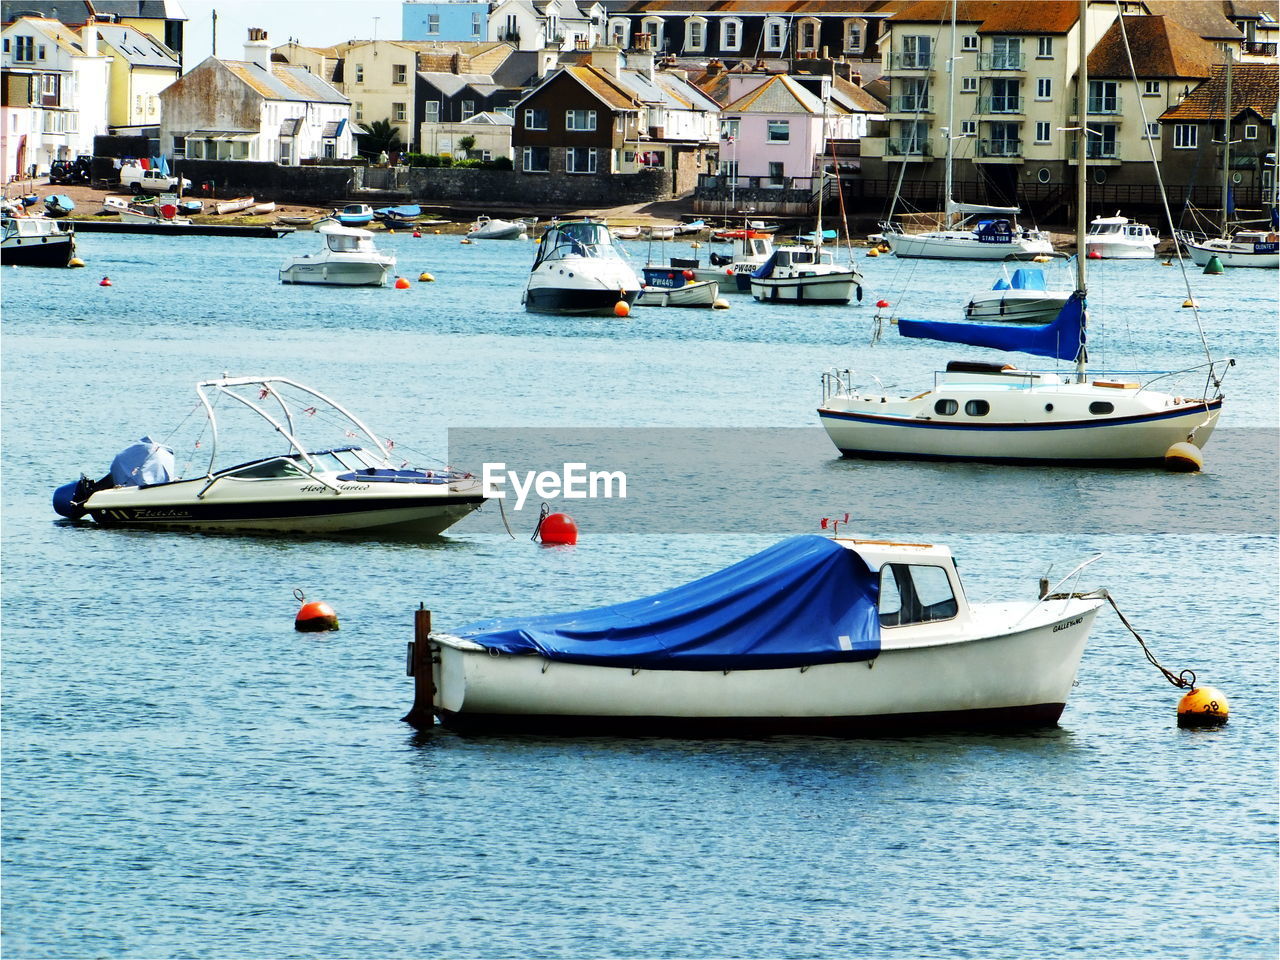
(1000, 105)
(1098, 150)
(911, 61)
(1099, 106)
(1000, 149)
(1002, 62)
(908, 147)
(910, 103)
(1258, 48)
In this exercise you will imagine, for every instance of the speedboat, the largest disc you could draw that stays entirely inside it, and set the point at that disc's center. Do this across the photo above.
(303, 489)
(1244, 248)
(1119, 238)
(354, 215)
(1022, 298)
(32, 242)
(805, 273)
(349, 258)
(487, 228)
(676, 287)
(578, 270)
(811, 636)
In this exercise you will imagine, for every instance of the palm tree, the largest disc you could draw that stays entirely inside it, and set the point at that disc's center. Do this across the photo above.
(383, 136)
(466, 144)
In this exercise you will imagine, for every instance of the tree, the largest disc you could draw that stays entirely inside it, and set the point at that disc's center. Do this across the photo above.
(466, 144)
(382, 136)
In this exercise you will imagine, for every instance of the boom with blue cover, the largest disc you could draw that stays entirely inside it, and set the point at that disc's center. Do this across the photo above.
(804, 601)
(1063, 337)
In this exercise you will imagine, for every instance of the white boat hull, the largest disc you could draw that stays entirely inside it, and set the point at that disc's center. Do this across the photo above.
(499, 230)
(1228, 257)
(961, 245)
(1016, 306)
(694, 294)
(1115, 250)
(1012, 675)
(837, 288)
(342, 273)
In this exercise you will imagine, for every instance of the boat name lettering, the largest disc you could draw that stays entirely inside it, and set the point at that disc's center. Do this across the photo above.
(142, 513)
(573, 482)
(342, 487)
(1067, 623)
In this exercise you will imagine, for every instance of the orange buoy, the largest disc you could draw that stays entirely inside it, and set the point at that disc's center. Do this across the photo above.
(882, 304)
(622, 309)
(417, 233)
(1094, 255)
(402, 283)
(558, 529)
(1202, 707)
(104, 282)
(314, 617)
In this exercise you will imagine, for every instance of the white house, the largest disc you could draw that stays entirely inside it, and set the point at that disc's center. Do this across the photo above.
(55, 94)
(254, 109)
(537, 24)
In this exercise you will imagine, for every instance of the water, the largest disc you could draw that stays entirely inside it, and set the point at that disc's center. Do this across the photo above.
(185, 776)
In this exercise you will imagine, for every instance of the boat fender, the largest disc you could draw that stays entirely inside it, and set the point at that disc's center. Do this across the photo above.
(859, 293)
(314, 617)
(1184, 457)
(1203, 707)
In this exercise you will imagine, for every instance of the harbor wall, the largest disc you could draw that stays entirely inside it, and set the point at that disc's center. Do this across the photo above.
(267, 181)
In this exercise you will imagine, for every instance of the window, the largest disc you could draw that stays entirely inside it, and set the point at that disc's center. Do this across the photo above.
(968, 128)
(1104, 96)
(1006, 53)
(779, 131)
(854, 34)
(580, 160)
(1251, 131)
(358, 106)
(6, 44)
(775, 35)
(579, 119)
(1044, 48)
(653, 27)
(1043, 131)
(917, 53)
(695, 34)
(946, 408)
(468, 109)
(730, 34)
(1101, 407)
(24, 49)
(433, 111)
(977, 408)
(969, 42)
(359, 73)
(535, 119)
(536, 160)
(433, 23)
(1044, 89)
(477, 26)
(1151, 89)
(40, 52)
(397, 111)
(1153, 131)
(729, 168)
(399, 73)
(807, 35)
(1185, 136)
(968, 84)
(915, 593)
(776, 176)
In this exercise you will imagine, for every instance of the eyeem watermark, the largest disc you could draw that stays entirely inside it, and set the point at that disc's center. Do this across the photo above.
(574, 482)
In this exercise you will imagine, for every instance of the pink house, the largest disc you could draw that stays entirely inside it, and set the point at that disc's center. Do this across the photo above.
(771, 128)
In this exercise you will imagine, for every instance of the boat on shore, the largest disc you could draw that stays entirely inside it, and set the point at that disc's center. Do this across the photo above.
(405, 215)
(307, 489)
(354, 215)
(261, 209)
(58, 205)
(811, 636)
(36, 242)
(235, 205)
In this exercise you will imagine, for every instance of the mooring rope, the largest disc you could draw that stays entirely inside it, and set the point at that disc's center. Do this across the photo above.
(1185, 679)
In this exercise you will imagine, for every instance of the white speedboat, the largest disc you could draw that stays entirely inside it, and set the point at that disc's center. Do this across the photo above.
(487, 228)
(1119, 238)
(750, 249)
(32, 242)
(349, 258)
(841, 637)
(1020, 298)
(675, 287)
(578, 270)
(805, 274)
(1244, 248)
(303, 489)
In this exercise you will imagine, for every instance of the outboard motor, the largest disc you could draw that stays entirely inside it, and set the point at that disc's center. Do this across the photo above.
(68, 499)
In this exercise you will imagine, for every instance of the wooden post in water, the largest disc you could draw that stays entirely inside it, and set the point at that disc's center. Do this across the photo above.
(422, 714)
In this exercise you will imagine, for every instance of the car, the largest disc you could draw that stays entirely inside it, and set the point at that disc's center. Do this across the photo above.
(79, 170)
(137, 180)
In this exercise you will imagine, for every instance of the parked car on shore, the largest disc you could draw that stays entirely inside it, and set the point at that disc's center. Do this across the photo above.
(136, 180)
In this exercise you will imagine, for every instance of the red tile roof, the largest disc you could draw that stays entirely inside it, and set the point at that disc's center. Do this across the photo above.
(1253, 89)
(996, 16)
(1160, 47)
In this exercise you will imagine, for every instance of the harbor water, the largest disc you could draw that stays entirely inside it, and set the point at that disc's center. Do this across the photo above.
(184, 775)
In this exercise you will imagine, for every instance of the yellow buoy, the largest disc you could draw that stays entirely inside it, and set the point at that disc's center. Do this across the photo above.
(75, 262)
(465, 240)
(1166, 263)
(1042, 258)
(1183, 457)
(719, 303)
(1203, 707)
(873, 252)
(425, 277)
(1190, 303)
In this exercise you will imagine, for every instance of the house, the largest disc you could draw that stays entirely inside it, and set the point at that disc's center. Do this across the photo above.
(254, 109)
(772, 129)
(141, 67)
(377, 76)
(458, 81)
(540, 24)
(1259, 23)
(162, 20)
(54, 84)
(456, 20)
(490, 131)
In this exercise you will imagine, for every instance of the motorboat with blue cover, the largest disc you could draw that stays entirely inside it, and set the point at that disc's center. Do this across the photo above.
(401, 216)
(1023, 297)
(812, 635)
(58, 205)
(578, 270)
(35, 242)
(302, 489)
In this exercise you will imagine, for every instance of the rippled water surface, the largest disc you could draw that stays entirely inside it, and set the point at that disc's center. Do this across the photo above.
(186, 776)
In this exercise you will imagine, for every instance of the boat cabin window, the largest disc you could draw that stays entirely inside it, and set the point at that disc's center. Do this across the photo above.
(1101, 406)
(915, 593)
(977, 408)
(946, 408)
(276, 469)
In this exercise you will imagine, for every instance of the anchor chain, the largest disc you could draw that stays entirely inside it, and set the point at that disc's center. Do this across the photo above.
(1185, 679)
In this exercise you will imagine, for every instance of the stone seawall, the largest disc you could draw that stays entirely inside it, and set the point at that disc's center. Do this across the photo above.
(268, 181)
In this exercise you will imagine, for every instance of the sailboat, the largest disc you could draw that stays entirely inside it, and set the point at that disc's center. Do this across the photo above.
(998, 412)
(972, 231)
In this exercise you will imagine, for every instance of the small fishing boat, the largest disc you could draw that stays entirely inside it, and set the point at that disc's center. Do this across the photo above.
(625, 233)
(1022, 298)
(675, 287)
(1119, 238)
(58, 205)
(354, 215)
(233, 206)
(349, 259)
(305, 489)
(661, 233)
(805, 274)
(811, 636)
(488, 228)
(190, 207)
(404, 215)
(732, 271)
(693, 226)
(261, 209)
(293, 221)
(34, 242)
(1244, 248)
(578, 270)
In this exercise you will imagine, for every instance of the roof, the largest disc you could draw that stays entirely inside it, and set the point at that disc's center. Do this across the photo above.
(1204, 18)
(729, 8)
(604, 87)
(778, 94)
(996, 16)
(138, 48)
(450, 84)
(856, 99)
(1253, 89)
(60, 34)
(77, 12)
(1160, 47)
(491, 119)
(284, 82)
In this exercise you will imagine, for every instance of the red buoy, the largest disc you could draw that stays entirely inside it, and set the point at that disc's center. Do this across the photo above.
(104, 282)
(1094, 255)
(402, 283)
(314, 617)
(882, 304)
(687, 274)
(417, 233)
(558, 529)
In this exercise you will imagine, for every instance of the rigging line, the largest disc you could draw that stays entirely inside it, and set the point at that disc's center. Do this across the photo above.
(1164, 198)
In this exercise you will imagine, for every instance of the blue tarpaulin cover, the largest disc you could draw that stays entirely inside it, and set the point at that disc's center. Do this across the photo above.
(1028, 278)
(806, 600)
(1063, 337)
(142, 463)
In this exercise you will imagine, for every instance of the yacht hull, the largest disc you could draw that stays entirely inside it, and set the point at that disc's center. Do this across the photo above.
(576, 300)
(1201, 253)
(963, 248)
(835, 288)
(44, 251)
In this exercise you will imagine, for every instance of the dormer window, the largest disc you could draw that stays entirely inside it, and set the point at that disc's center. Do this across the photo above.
(775, 35)
(730, 34)
(654, 28)
(695, 35)
(855, 35)
(618, 28)
(807, 36)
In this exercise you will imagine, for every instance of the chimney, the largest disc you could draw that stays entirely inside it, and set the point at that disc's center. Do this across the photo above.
(608, 59)
(856, 79)
(257, 49)
(714, 68)
(641, 60)
(89, 38)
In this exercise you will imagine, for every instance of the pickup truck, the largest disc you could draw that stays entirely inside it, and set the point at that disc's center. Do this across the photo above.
(138, 180)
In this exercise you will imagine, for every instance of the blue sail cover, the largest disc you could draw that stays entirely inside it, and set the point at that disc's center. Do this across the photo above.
(1063, 337)
(806, 600)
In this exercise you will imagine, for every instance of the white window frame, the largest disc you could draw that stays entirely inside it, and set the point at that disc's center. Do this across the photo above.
(968, 128)
(530, 115)
(1251, 131)
(1044, 131)
(855, 34)
(1044, 48)
(1186, 136)
(734, 25)
(968, 42)
(570, 164)
(399, 73)
(785, 126)
(468, 110)
(968, 84)
(1152, 88)
(656, 27)
(1153, 131)
(572, 119)
(774, 39)
(730, 128)
(433, 23)
(619, 27)
(24, 49)
(803, 45)
(526, 153)
(1044, 88)
(477, 25)
(359, 73)
(699, 26)
(399, 112)
(357, 107)
(431, 110)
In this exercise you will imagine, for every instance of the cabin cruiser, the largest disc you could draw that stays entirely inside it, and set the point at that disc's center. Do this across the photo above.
(33, 242)
(1119, 238)
(1022, 298)
(749, 250)
(349, 258)
(805, 273)
(1244, 248)
(578, 270)
(302, 489)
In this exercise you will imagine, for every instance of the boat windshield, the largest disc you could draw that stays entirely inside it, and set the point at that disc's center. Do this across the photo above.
(579, 238)
(1097, 229)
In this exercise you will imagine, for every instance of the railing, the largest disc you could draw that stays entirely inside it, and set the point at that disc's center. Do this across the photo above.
(908, 147)
(911, 61)
(1098, 150)
(1002, 61)
(1000, 148)
(1000, 105)
(1099, 106)
(1258, 48)
(910, 103)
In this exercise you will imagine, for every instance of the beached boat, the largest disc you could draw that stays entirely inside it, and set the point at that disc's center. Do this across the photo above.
(1020, 298)
(488, 228)
(1119, 238)
(811, 636)
(578, 270)
(190, 207)
(693, 226)
(306, 489)
(675, 287)
(58, 205)
(297, 221)
(261, 209)
(354, 215)
(233, 206)
(349, 259)
(34, 242)
(625, 233)
(405, 215)
(661, 233)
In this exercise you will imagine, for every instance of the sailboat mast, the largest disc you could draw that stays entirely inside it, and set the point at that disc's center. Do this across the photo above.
(1082, 149)
(822, 173)
(1226, 149)
(951, 114)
